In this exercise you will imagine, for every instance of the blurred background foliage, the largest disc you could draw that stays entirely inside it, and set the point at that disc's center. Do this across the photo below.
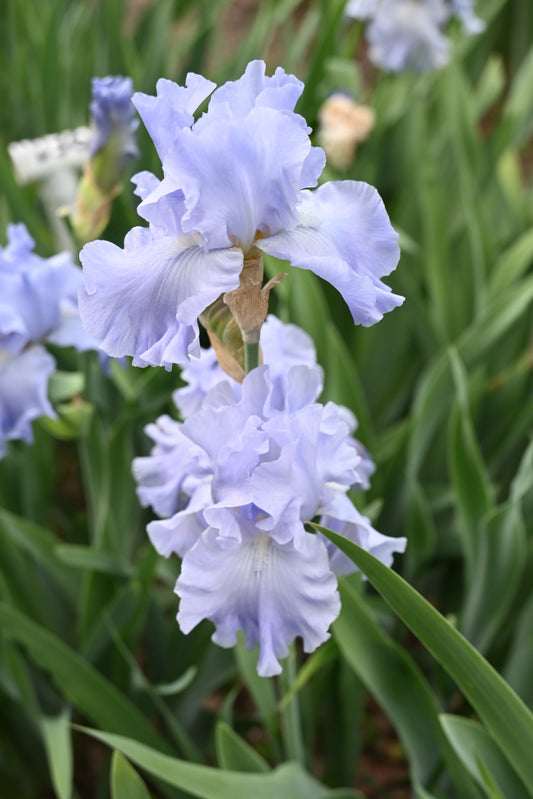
(442, 388)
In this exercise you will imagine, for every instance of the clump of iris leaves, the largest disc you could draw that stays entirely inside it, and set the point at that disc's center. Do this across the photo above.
(101, 694)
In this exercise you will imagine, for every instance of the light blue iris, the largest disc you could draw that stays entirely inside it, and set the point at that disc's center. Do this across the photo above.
(236, 483)
(38, 304)
(235, 179)
(409, 34)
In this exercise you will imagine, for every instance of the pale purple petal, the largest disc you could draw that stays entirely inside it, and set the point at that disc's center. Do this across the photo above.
(463, 10)
(271, 592)
(23, 393)
(346, 237)
(254, 88)
(172, 109)
(359, 530)
(144, 301)
(161, 475)
(241, 178)
(177, 535)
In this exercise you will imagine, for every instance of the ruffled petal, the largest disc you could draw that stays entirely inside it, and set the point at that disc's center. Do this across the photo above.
(180, 533)
(271, 592)
(172, 109)
(23, 393)
(351, 524)
(254, 88)
(345, 237)
(160, 476)
(164, 207)
(242, 177)
(144, 300)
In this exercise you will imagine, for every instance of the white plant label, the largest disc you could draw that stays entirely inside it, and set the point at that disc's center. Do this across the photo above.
(35, 159)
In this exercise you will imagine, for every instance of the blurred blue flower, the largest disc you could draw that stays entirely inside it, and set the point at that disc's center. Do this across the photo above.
(236, 482)
(113, 117)
(235, 182)
(409, 34)
(113, 144)
(38, 304)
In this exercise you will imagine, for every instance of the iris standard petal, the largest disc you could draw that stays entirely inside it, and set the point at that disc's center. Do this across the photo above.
(271, 592)
(241, 178)
(254, 88)
(172, 109)
(345, 236)
(145, 301)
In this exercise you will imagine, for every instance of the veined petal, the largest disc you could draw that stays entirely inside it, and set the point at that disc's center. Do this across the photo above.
(271, 592)
(23, 392)
(172, 109)
(144, 301)
(345, 237)
(241, 177)
(254, 88)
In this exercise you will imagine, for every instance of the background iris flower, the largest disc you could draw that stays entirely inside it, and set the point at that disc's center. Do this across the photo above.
(38, 304)
(408, 34)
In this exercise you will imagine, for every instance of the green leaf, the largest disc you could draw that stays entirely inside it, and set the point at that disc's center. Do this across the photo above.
(314, 663)
(86, 558)
(394, 680)
(500, 565)
(58, 745)
(262, 690)
(234, 754)
(77, 680)
(289, 781)
(483, 758)
(471, 484)
(40, 544)
(505, 716)
(125, 782)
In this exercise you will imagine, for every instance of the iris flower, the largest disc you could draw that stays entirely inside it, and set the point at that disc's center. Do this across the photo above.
(38, 304)
(409, 34)
(234, 485)
(235, 182)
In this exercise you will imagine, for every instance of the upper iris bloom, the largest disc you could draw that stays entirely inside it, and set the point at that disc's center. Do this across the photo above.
(235, 182)
(38, 304)
(408, 34)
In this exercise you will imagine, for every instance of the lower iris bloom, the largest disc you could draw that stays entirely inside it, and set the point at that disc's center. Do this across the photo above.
(236, 482)
(409, 34)
(236, 184)
(38, 304)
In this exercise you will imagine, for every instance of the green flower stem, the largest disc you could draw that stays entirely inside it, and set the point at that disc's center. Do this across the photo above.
(290, 716)
(251, 355)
